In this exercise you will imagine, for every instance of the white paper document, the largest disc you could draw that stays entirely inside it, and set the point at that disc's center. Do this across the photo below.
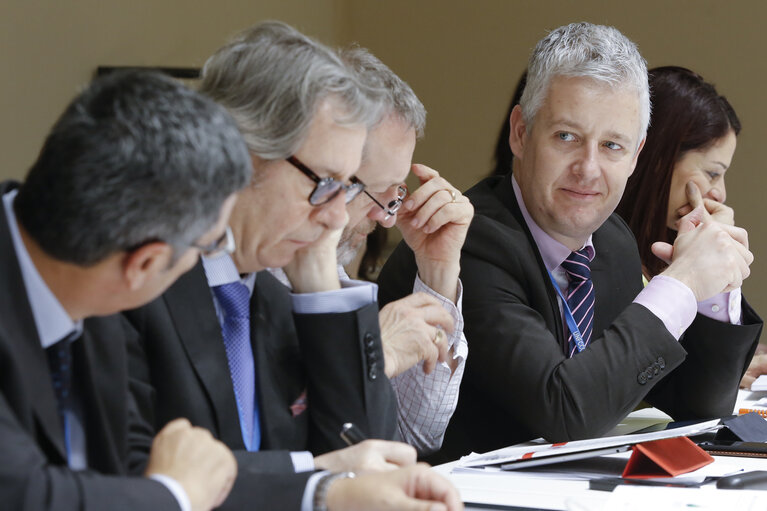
(760, 384)
(526, 452)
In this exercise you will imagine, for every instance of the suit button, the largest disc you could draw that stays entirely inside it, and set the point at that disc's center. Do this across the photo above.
(661, 363)
(642, 378)
(369, 340)
(648, 372)
(372, 356)
(656, 368)
(373, 371)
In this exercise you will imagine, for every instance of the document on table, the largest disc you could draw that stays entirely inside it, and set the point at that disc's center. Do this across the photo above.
(760, 384)
(526, 452)
(634, 498)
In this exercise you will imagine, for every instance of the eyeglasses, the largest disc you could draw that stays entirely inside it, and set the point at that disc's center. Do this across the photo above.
(327, 187)
(224, 244)
(392, 206)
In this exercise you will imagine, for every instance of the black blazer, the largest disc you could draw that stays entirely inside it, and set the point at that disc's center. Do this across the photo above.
(33, 471)
(520, 385)
(179, 369)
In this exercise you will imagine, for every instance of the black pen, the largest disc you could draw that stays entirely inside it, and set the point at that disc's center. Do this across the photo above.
(351, 434)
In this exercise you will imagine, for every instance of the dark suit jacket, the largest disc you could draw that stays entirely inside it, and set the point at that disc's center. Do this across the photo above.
(33, 470)
(519, 384)
(179, 369)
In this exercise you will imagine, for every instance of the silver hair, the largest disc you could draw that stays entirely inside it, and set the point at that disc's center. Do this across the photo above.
(399, 98)
(585, 50)
(272, 78)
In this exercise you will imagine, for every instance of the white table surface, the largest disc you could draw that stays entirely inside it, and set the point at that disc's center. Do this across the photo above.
(566, 491)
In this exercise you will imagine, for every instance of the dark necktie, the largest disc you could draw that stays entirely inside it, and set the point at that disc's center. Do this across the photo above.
(234, 299)
(60, 363)
(580, 296)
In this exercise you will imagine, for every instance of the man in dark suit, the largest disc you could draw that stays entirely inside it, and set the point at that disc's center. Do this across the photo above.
(315, 358)
(135, 181)
(86, 235)
(565, 342)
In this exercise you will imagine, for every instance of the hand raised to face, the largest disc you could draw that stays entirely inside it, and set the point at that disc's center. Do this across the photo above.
(434, 220)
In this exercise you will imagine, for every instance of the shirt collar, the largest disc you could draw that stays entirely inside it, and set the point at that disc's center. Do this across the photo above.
(52, 321)
(220, 270)
(552, 252)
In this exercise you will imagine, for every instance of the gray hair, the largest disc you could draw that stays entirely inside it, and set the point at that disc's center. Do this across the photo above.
(272, 78)
(136, 157)
(399, 98)
(584, 50)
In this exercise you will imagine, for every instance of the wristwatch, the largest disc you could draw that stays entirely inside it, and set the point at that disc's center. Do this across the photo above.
(321, 491)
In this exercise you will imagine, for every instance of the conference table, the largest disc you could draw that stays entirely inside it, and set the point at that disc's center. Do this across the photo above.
(565, 486)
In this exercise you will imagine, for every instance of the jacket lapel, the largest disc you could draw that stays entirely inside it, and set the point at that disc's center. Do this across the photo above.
(505, 193)
(191, 308)
(103, 389)
(280, 379)
(24, 347)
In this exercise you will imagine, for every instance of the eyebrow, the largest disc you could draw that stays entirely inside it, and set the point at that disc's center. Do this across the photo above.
(724, 167)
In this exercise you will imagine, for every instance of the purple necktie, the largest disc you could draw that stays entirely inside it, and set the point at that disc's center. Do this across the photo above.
(580, 296)
(234, 299)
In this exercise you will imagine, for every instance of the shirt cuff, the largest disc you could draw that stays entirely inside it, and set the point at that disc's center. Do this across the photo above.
(671, 301)
(456, 340)
(724, 307)
(307, 501)
(354, 295)
(303, 461)
(176, 489)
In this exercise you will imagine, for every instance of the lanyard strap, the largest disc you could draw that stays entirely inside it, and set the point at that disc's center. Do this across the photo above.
(571, 324)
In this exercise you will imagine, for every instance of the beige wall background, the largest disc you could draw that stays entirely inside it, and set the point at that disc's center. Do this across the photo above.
(462, 58)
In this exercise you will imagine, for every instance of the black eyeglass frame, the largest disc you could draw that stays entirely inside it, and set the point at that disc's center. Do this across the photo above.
(392, 206)
(327, 188)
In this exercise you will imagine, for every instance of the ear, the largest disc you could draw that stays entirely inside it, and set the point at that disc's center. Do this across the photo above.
(142, 264)
(636, 155)
(518, 132)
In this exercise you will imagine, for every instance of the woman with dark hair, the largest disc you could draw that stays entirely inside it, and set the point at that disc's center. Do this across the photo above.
(691, 138)
(690, 144)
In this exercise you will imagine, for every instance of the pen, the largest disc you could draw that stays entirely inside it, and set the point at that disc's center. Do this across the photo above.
(351, 434)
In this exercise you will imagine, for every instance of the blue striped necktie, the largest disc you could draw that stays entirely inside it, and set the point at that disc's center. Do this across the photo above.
(234, 299)
(580, 296)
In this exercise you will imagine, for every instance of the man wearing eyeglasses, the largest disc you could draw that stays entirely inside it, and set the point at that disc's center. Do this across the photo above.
(422, 334)
(311, 361)
(85, 235)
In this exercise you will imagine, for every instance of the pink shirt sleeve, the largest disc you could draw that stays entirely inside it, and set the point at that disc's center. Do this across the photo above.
(671, 301)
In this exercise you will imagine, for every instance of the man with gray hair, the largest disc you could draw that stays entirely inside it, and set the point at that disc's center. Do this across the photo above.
(230, 349)
(135, 180)
(422, 334)
(565, 341)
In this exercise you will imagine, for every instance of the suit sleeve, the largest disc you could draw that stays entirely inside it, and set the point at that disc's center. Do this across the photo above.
(718, 354)
(345, 369)
(29, 482)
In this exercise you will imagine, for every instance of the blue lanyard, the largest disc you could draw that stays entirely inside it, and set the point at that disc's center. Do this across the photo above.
(571, 324)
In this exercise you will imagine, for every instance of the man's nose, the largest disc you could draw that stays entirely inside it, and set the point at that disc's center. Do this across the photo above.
(332, 214)
(587, 165)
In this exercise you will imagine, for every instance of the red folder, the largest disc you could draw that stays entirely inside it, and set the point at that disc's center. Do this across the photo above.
(665, 458)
